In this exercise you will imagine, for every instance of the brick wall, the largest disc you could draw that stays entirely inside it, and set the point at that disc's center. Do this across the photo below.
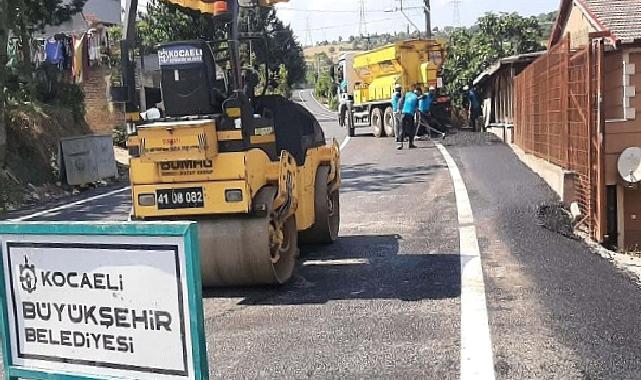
(102, 115)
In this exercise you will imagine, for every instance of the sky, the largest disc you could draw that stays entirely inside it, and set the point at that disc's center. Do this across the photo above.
(329, 19)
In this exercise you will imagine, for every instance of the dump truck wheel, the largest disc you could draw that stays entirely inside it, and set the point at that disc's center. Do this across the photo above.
(376, 121)
(327, 212)
(389, 122)
(342, 116)
(351, 129)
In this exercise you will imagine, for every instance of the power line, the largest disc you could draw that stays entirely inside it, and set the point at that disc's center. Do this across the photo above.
(339, 10)
(323, 28)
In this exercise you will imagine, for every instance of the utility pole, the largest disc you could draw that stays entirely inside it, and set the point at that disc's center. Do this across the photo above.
(409, 19)
(428, 20)
(309, 39)
(456, 10)
(362, 25)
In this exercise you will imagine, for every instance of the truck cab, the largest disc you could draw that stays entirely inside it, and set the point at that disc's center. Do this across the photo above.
(346, 79)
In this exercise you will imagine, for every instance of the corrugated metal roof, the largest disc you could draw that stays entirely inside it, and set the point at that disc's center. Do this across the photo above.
(103, 11)
(521, 58)
(620, 17)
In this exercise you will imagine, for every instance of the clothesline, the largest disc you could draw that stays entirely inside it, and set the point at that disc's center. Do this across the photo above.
(68, 51)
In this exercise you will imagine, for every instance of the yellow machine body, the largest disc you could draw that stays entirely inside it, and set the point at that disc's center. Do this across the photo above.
(185, 155)
(406, 63)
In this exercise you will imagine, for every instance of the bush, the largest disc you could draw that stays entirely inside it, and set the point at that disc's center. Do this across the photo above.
(71, 96)
(120, 136)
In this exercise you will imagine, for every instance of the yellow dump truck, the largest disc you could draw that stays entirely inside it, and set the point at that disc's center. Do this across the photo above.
(366, 81)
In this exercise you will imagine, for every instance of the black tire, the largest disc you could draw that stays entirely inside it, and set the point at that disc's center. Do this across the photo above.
(388, 122)
(342, 116)
(327, 212)
(351, 129)
(376, 121)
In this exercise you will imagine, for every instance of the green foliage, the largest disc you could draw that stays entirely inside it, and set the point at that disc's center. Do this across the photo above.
(167, 22)
(36, 14)
(494, 36)
(326, 89)
(283, 83)
(283, 49)
(120, 136)
(22, 17)
(72, 97)
(115, 33)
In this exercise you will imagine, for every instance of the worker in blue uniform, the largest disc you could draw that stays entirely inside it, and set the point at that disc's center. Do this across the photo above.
(410, 107)
(474, 106)
(424, 108)
(397, 108)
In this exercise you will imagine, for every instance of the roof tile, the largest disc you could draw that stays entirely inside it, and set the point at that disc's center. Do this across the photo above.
(621, 17)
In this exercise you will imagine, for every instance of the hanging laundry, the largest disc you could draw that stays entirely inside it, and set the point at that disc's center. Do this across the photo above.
(54, 52)
(78, 61)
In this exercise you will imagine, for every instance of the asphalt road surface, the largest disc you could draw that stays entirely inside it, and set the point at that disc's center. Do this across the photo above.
(402, 293)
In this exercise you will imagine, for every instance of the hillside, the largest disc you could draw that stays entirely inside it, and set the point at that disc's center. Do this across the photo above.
(333, 51)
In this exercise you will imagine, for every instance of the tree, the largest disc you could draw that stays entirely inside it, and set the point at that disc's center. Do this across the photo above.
(494, 36)
(22, 17)
(167, 22)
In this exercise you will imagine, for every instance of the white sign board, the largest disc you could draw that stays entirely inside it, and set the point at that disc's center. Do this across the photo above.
(106, 306)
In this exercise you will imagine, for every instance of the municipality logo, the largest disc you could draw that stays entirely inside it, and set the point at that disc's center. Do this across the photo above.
(28, 278)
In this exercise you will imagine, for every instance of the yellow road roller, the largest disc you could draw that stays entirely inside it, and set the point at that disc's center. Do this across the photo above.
(254, 170)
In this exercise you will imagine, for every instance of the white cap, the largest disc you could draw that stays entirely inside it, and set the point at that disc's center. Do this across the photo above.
(151, 114)
(432, 88)
(398, 86)
(466, 88)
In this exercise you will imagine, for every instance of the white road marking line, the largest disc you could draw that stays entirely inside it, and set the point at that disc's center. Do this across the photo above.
(319, 103)
(336, 262)
(476, 344)
(70, 205)
(300, 95)
(344, 143)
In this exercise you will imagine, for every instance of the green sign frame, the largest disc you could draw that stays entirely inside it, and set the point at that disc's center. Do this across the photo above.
(188, 231)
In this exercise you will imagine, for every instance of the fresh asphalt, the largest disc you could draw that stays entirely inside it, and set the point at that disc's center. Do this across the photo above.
(384, 301)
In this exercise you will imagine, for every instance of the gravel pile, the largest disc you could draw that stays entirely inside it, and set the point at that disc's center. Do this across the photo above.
(555, 218)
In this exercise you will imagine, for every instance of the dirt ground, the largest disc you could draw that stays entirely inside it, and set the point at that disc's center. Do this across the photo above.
(33, 135)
